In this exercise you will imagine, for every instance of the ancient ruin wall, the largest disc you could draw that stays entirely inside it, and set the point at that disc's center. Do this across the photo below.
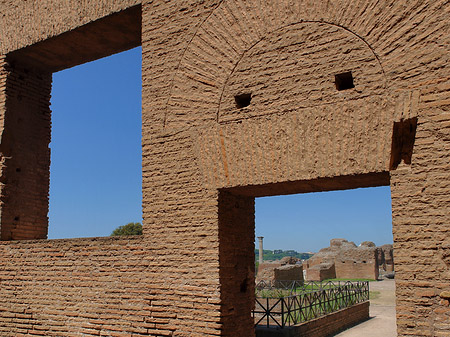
(198, 55)
(344, 260)
(25, 153)
(348, 269)
(320, 273)
(24, 24)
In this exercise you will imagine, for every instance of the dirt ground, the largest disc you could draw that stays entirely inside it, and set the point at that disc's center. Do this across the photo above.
(382, 314)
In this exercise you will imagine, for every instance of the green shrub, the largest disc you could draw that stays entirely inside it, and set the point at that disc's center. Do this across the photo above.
(132, 228)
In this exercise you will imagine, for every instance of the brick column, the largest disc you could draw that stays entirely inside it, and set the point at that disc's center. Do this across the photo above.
(25, 128)
(420, 218)
(237, 263)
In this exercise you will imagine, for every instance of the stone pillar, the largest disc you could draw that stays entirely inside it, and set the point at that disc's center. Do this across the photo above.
(261, 251)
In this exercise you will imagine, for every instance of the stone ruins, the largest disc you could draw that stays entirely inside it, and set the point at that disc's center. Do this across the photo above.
(240, 99)
(343, 259)
(276, 272)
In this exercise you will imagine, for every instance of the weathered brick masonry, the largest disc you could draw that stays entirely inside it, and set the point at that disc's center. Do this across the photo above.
(25, 156)
(206, 155)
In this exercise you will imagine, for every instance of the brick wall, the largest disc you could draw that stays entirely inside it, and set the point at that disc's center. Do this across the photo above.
(358, 262)
(25, 153)
(201, 154)
(90, 287)
(37, 20)
(320, 273)
(237, 263)
(420, 220)
(348, 269)
(267, 265)
(288, 273)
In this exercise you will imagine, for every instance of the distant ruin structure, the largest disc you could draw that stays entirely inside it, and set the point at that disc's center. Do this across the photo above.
(343, 259)
(240, 99)
(278, 272)
(385, 257)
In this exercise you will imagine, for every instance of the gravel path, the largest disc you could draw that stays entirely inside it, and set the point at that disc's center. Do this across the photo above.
(382, 314)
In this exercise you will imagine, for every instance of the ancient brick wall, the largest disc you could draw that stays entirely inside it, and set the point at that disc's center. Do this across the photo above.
(360, 262)
(288, 273)
(350, 269)
(25, 153)
(385, 258)
(207, 154)
(420, 201)
(267, 265)
(83, 286)
(273, 273)
(33, 21)
(345, 260)
(321, 272)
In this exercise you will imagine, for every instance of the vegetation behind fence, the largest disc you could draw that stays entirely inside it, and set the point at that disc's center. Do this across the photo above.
(292, 302)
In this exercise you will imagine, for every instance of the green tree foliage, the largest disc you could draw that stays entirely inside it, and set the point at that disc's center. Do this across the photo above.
(132, 228)
(271, 255)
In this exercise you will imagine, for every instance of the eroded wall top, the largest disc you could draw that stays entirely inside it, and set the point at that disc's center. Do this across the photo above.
(23, 23)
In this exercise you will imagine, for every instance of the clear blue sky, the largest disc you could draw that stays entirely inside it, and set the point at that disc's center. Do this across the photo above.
(307, 222)
(95, 175)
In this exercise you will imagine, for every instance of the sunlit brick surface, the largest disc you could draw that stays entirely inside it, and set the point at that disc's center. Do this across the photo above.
(205, 157)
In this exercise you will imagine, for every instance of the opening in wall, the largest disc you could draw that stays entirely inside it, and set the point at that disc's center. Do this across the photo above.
(243, 100)
(344, 81)
(304, 240)
(95, 173)
(27, 77)
(307, 222)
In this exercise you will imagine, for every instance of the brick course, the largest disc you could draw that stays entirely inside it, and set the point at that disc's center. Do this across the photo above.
(205, 160)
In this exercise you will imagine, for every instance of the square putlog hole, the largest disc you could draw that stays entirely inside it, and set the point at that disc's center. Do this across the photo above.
(344, 81)
(243, 100)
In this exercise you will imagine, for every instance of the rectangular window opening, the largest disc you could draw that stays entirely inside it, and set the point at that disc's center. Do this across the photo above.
(95, 172)
(91, 77)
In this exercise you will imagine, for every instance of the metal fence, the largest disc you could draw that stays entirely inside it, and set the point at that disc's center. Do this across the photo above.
(308, 301)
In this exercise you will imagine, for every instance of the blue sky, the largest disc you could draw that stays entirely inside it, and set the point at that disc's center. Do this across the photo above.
(307, 222)
(95, 174)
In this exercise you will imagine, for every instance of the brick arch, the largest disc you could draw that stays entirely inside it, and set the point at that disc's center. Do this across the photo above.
(299, 126)
(294, 67)
(234, 26)
(220, 42)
